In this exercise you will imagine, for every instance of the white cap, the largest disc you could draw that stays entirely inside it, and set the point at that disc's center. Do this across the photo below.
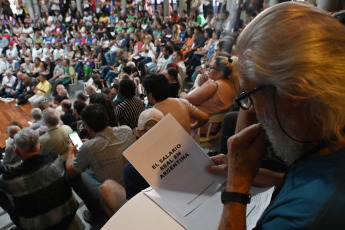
(149, 115)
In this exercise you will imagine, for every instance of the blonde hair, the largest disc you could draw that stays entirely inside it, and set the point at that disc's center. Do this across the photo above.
(299, 49)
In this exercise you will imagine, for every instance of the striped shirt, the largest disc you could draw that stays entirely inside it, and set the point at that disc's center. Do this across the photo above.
(39, 193)
(127, 112)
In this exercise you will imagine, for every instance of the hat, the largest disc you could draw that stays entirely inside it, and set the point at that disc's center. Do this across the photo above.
(149, 115)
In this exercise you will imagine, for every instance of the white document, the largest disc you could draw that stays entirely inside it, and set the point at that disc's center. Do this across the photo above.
(174, 165)
(261, 198)
(208, 214)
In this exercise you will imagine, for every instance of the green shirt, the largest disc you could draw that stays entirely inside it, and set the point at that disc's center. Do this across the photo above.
(201, 20)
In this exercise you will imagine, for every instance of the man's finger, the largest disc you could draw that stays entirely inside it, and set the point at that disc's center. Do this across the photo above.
(218, 169)
(218, 159)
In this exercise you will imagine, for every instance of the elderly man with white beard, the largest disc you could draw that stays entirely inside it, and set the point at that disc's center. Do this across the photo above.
(291, 62)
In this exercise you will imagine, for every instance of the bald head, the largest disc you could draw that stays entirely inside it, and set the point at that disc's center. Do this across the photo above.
(66, 105)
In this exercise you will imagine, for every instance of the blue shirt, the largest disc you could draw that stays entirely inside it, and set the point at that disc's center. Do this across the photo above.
(183, 36)
(313, 196)
(210, 50)
(3, 42)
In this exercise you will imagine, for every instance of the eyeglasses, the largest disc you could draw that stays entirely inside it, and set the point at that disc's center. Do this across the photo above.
(244, 100)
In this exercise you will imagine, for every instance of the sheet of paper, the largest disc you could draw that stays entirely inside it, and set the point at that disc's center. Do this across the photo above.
(174, 165)
(261, 198)
(208, 214)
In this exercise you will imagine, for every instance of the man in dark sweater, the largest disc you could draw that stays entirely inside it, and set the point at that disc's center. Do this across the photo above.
(68, 118)
(36, 194)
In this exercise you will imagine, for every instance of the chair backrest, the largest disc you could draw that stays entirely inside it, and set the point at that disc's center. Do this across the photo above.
(98, 65)
(217, 118)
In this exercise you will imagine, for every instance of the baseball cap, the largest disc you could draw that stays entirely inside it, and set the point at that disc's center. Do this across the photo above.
(149, 115)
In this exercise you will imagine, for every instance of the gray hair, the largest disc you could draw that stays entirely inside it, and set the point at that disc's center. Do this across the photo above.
(36, 113)
(90, 89)
(51, 117)
(303, 57)
(12, 130)
(148, 36)
(27, 139)
(63, 92)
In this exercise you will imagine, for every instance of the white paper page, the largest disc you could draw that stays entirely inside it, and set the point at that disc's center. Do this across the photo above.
(258, 204)
(208, 214)
(174, 165)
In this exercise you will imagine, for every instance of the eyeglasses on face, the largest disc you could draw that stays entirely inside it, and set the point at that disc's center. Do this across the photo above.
(244, 100)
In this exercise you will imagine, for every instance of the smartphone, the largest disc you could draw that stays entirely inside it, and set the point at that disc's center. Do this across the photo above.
(75, 139)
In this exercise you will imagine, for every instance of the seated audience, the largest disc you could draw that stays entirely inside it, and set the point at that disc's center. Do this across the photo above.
(56, 138)
(217, 94)
(17, 87)
(36, 193)
(41, 90)
(68, 117)
(11, 159)
(306, 131)
(102, 154)
(111, 193)
(7, 83)
(158, 90)
(128, 111)
(37, 116)
(28, 89)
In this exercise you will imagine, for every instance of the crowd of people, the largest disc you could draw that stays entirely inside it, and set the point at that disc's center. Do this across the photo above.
(63, 44)
(135, 65)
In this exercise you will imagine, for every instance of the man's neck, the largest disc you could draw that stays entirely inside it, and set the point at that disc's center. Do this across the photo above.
(28, 155)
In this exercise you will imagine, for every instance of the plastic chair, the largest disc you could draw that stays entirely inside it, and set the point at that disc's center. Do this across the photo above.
(210, 141)
(97, 67)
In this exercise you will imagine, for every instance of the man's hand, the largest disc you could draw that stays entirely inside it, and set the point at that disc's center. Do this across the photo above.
(246, 149)
(72, 149)
(220, 166)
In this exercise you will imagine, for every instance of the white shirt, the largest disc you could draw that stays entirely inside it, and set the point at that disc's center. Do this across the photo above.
(58, 54)
(46, 53)
(87, 20)
(28, 31)
(9, 82)
(148, 54)
(36, 52)
(12, 53)
(2, 66)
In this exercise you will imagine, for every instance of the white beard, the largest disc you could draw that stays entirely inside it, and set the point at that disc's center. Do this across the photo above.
(284, 147)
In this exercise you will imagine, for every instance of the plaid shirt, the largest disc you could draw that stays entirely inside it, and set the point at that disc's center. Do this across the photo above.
(39, 193)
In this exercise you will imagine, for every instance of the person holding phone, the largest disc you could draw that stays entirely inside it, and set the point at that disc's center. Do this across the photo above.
(98, 159)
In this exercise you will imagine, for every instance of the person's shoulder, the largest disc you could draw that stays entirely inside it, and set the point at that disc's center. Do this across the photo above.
(122, 128)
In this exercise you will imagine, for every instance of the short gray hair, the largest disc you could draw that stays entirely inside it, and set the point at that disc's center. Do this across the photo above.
(63, 92)
(27, 139)
(12, 130)
(36, 113)
(51, 117)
